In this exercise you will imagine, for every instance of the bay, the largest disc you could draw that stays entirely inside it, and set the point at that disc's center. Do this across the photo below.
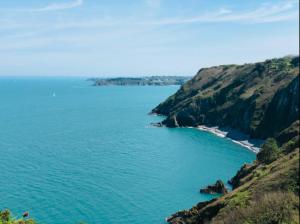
(72, 152)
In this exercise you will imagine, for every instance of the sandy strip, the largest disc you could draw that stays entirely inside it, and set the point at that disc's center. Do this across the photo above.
(235, 136)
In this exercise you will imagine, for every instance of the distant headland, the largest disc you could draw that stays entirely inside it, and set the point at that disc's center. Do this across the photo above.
(141, 81)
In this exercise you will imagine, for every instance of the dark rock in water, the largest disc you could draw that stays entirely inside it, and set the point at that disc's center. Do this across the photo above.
(25, 214)
(217, 188)
(159, 124)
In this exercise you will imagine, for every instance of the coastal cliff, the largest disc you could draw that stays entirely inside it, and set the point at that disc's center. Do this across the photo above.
(261, 100)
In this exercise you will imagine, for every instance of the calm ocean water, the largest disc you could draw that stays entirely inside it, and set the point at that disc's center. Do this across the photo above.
(88, 154)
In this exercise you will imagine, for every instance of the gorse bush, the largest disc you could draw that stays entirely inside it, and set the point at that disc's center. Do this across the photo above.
(6, 218)
(271, 208)
(291, 145)
(269, 152)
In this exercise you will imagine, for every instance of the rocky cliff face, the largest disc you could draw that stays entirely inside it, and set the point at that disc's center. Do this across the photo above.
(259, 99)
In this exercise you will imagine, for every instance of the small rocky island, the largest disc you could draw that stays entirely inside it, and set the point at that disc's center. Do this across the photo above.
(141, 81)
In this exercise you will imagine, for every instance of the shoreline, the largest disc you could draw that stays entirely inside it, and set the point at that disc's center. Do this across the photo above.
(235, 136)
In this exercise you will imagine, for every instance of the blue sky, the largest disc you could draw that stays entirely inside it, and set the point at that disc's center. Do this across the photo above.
(141, 37)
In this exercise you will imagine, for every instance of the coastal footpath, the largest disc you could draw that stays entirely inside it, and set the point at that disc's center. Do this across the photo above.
(260, 100)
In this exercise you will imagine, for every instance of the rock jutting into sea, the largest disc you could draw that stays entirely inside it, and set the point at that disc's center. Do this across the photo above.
(217, 188)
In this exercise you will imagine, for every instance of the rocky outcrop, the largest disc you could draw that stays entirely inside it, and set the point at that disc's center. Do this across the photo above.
(217, 188)
(263, 96)
(190, 216)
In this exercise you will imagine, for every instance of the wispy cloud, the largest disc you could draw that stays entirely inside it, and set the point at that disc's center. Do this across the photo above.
(39, 29)
(266, 13)
(56, 6)
(153, 3)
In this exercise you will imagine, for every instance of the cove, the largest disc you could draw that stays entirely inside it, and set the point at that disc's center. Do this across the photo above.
(71, 152)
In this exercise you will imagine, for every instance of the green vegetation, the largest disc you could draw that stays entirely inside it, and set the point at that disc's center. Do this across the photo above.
(239, 199)
(269, 151)
(274, 207)
(6, 218)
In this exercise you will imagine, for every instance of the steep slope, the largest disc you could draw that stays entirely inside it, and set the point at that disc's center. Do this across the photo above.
(258, 99)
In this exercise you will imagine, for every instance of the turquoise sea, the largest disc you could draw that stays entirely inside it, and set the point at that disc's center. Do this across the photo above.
(72, 152)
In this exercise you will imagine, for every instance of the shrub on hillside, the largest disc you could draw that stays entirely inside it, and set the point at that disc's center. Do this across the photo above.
(6, 218)
(271, 208)
(269, 152)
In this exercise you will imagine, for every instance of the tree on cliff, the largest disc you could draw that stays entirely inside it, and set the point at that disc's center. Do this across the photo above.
(269, 152)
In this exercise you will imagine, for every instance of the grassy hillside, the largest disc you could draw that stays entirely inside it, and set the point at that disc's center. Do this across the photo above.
(263, 96)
